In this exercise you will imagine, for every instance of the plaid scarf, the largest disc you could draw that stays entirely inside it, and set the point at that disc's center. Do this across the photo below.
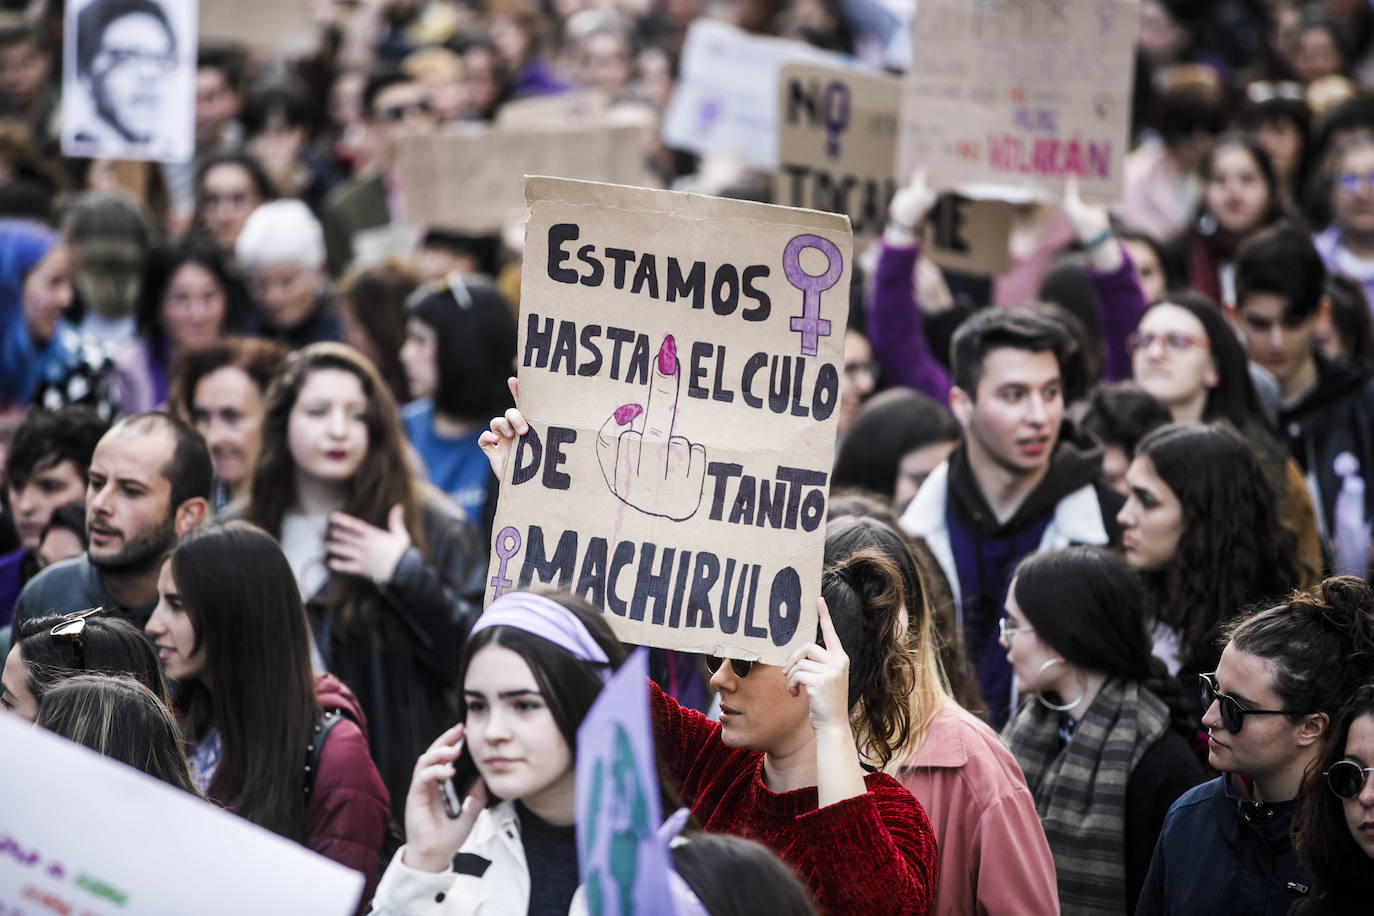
(1080, 786)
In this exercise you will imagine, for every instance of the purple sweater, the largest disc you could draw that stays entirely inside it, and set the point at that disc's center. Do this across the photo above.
(897, 329)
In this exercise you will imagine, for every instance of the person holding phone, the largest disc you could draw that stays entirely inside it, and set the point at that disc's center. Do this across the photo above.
(266, 738)
(492, 802)
(782, 766)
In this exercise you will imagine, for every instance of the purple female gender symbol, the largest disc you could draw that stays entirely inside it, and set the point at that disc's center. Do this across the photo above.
(810, 323)
(507, 546)
(835, 109)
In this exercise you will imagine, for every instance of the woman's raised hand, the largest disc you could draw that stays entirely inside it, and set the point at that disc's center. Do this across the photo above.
(432, 837)
(504, 430)
(823, 672)
(909, 208)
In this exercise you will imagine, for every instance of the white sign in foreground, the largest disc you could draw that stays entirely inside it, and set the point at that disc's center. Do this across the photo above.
(88, 836)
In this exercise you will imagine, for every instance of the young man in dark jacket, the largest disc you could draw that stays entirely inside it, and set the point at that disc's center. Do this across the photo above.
(1021, 479)
(1326, 407)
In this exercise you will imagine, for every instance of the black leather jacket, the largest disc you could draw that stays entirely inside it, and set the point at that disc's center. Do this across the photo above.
(1336, 417)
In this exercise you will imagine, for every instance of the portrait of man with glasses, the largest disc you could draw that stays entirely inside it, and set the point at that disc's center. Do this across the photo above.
(128, 92)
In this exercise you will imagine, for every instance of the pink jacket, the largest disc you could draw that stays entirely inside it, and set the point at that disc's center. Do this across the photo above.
(993, 855)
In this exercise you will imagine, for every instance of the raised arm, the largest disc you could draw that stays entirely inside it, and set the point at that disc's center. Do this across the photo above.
(1120, 303)
(896, 326)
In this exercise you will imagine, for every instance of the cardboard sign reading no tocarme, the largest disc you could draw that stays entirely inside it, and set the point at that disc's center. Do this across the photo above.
(1023, 92)
(679, 365)
(837, 150)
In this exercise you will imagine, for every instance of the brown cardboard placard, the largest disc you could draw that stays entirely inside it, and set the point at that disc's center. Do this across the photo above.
(970, 236)
(474, 180)
(679, 362)
(837, 139)
(574, 108)
(279, 27)
(1020, 92)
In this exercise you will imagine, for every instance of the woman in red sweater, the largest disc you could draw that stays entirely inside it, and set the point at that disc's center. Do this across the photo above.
(782, 766)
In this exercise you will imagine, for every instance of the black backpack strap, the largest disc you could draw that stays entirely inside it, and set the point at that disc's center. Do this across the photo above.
(324, 724)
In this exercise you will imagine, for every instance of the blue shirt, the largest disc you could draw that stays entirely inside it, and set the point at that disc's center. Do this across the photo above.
(458, 466)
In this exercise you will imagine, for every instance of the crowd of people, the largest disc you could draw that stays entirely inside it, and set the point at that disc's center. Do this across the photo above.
(1096, 633)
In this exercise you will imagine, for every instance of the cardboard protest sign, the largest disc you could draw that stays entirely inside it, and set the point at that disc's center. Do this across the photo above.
(837, 150)
(622, 864)
(679, 363)
(128, 80)
(82, 834)
(278, 27)
(971, 236)
(1023, 92)
(574, 108)
(726, 96)
(474, 181)
(837, 142)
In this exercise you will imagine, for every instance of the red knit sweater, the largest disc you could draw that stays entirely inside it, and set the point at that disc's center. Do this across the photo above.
(873, 854)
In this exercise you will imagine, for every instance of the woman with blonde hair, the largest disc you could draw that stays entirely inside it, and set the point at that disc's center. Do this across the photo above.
(993, 853)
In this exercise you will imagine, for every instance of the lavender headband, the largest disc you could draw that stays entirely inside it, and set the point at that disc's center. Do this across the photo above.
(547, 619)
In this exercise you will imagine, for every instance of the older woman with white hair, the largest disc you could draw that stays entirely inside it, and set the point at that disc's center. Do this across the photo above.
(281, 251)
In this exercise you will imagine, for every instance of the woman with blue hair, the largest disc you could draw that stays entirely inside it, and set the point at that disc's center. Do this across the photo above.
(35, 289)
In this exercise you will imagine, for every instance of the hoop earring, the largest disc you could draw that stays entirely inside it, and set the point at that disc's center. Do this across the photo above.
(1040, 697)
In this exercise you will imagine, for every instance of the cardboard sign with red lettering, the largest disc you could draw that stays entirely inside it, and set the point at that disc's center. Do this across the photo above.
(679, 362)
(1020, 92)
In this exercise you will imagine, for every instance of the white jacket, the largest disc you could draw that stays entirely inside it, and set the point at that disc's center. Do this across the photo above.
(503, 888)
(1077, 520)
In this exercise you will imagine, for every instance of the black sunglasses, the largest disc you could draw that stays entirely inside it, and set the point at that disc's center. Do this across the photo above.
(394, 113)
(741, 668)
(1346, 778)
(1232, 713)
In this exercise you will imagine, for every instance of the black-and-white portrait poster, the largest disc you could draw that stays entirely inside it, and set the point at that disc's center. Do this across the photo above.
(128, 81)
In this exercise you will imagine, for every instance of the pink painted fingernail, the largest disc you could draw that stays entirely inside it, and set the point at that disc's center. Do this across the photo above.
(625, 414)
(667, 356)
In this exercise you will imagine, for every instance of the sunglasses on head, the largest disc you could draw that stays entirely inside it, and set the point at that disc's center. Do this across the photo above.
(1346, 778)
(73, 627)
(1232, 713)
(741, 668)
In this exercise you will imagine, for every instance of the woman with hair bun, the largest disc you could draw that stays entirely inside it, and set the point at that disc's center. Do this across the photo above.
(1102, 733)
(1226, 845)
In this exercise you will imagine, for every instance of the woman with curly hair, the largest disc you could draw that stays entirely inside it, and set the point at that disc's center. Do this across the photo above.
(1334, 827)
(1201, 524)
(382, 566)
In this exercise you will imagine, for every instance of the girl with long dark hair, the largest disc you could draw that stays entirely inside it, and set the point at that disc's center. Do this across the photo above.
(382, 565)
(1102, 734)
(267, 738)
(1201, 525)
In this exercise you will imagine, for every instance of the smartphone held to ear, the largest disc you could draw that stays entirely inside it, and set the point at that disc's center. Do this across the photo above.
(455, 789)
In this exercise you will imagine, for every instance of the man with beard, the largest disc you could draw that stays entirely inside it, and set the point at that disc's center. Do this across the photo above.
(149, 484)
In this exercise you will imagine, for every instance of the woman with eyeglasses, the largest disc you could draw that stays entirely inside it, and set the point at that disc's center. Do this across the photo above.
(1334, 827)
(266, 738)
(1347, 245)
(48, 650)
(782, 766)
(1102, 734)
(1183, 352)
(1201, 526)
(1227, 844)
